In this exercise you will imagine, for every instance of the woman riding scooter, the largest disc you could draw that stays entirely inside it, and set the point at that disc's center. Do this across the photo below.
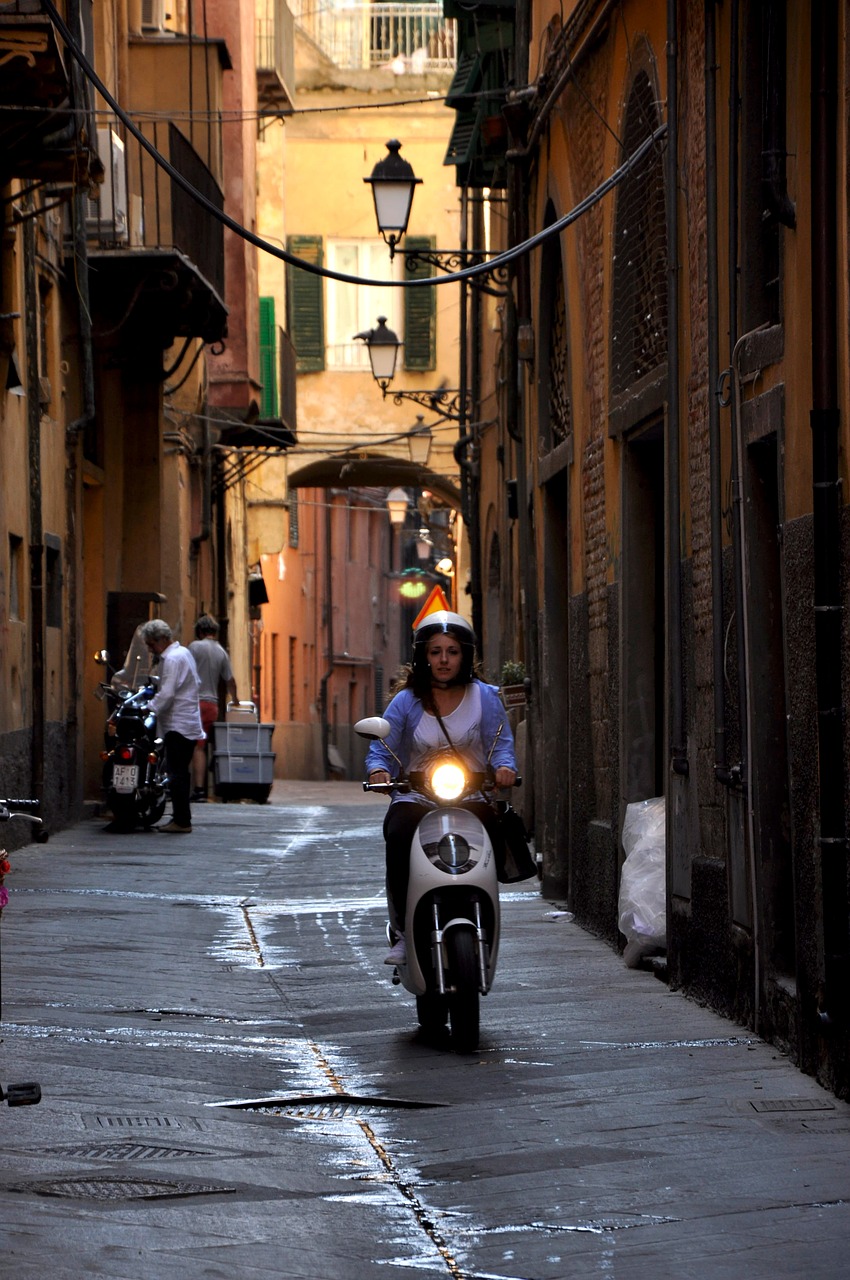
(440, 705)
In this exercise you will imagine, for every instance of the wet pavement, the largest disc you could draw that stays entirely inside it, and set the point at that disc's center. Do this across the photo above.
(155, 985)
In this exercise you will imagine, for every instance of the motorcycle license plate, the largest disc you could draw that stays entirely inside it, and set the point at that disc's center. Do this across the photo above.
(124, 778)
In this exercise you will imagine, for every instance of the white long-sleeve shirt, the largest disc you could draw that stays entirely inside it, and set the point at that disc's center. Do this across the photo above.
(176, 700)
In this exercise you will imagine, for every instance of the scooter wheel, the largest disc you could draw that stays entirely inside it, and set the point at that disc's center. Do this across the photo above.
(432, 1011)
(463, 1001)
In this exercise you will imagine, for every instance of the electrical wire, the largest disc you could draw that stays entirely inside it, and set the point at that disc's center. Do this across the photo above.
(499, 260)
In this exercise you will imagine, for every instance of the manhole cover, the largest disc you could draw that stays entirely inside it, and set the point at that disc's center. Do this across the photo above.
(119, 1188)
(121, 1151)
(334, 1106)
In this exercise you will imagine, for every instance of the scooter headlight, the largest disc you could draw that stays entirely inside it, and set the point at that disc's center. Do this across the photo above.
(448, 781)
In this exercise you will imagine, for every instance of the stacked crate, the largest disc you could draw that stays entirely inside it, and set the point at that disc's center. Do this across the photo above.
(243, 761)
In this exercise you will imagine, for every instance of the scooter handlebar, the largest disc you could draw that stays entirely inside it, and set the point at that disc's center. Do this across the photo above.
(6, 813)
(386, 788)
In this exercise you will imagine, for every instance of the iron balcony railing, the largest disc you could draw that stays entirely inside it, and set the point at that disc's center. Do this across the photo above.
(407, 38)
(141, 207)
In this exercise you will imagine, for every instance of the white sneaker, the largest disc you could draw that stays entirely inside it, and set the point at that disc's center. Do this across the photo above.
(397, 953)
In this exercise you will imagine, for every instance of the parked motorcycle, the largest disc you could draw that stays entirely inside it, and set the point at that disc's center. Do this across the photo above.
(134, 775)
(452, 915)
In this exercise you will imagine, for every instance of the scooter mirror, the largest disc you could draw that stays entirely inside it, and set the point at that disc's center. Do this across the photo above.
(373, 727)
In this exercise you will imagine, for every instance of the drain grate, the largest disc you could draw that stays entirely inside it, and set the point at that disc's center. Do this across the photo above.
(773, 1105)
(334, 1106)
(140, 1122)
(119, 1188)
(121, 1151)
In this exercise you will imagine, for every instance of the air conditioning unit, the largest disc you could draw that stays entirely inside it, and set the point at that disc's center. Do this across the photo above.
(153, 15)
(106, 217)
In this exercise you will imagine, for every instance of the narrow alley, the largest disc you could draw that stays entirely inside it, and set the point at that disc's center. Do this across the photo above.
(233, 1087)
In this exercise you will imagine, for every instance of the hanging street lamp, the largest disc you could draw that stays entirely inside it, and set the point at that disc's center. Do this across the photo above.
(393, 184)
(383, 346)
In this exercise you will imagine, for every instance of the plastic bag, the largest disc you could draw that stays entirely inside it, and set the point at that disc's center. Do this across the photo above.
(643, 883)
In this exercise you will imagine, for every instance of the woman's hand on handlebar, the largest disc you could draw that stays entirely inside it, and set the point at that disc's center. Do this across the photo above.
(505, 777)
(379, 777)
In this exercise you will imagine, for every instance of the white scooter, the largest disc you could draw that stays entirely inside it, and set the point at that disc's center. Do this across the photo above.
(452, 911)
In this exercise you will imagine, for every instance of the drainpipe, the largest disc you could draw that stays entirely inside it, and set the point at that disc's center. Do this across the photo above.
(739, 773)
(36, 537)
(79, 425)
(220, 586)
(73, 431)
(329, 628)
(721, 769)
(475, 297)
(468, 455)
(826, 508)
(678, 748)
(520, 365)
(206, 493)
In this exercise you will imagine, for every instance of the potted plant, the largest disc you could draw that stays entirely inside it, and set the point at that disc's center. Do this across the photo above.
(512, 684)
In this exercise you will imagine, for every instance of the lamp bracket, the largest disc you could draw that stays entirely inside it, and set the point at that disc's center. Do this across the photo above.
(452, 260)
(446, 402)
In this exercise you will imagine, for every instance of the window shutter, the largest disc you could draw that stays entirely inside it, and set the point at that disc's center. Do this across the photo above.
(268, 358)
(420, 313)
(304, 298)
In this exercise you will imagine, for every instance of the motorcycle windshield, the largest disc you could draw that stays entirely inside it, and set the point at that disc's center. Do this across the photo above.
(137, 668)
(439, 823)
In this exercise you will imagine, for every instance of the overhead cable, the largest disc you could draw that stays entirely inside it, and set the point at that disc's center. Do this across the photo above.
(468, 273)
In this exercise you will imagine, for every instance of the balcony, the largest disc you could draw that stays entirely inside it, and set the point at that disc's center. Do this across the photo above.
(275, 55)
(404, 38)
(156, 256)
(40, 137)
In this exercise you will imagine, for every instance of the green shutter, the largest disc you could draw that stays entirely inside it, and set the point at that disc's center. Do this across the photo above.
(304, 304)
(420, 314)
(268, 358)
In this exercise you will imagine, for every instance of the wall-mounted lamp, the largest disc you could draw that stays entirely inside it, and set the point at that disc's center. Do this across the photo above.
(393, 183)
(419, 442)
(424, 545)
(383, 347)
(397, 507)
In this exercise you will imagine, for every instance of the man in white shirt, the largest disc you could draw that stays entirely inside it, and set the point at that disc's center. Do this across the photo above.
(177, 709)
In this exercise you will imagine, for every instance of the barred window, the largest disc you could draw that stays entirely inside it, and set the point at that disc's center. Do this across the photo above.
(639, 319)
(554, 396)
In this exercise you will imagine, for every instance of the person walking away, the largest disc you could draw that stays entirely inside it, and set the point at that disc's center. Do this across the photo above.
(213, 665)
(177, 709)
